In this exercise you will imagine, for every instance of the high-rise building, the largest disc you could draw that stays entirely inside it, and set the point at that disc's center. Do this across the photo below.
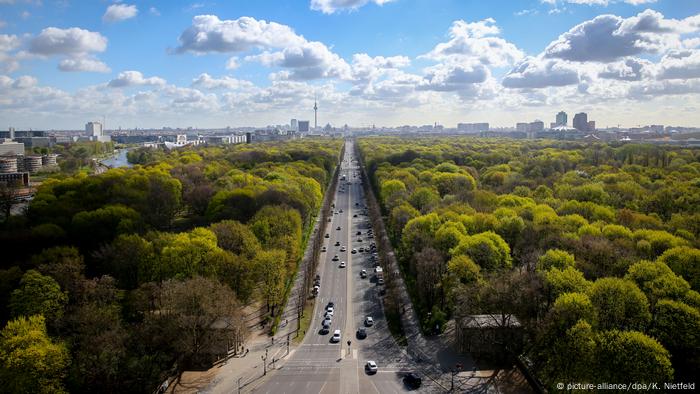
(536, 126)
(303, 126)
(12, 133)
(294, 125)
(93, 129)
(562, 119)
(581, 121)
(472, 127)
(524, 127)
(591, 125)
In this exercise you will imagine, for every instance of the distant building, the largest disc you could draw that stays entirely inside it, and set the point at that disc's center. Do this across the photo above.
(11, 148)
(303, 126)
(93, 129)
(536, 126)
(472, 127)
(562, 119)
(591, 125)
(523, 127)
(581, 121)
(294, 125)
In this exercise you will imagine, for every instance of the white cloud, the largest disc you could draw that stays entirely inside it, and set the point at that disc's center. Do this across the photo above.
(681, 65)
(599, 2)
(72, 41)
(331, 6)
(365, 67)
(120, 12)
(539, 73)
(310, 60)
(210, 34)
(454, 77)
(83, 64)
(8, 42)
(607, 38)
(631, 69)
(206, 81)
(134, 78)
(154, 11)
(477, 40)
(232, 63)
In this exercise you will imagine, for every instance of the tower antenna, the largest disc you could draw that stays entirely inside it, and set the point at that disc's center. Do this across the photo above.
(315, 113)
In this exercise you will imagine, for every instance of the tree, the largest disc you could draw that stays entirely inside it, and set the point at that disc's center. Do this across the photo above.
(7, 199)
(657, 281)
(430, 267)
(38, 295)
(487, 249)
(130, 259)
(279, 227)
(399, 217)
(568, 280)
(30, 362)
(271, 271)
(684, 261)
(163, 199)
(206, 317)
(619, 304)
(63, 263)
(236, 237)
(461, 271)
(560, 366)
(677, 326)
(453, 183)
(391, 192)
(555, 258)
(424, 199)
(568, 309)
(631, 356)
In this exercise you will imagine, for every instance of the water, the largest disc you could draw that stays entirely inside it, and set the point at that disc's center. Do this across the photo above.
(118, 160)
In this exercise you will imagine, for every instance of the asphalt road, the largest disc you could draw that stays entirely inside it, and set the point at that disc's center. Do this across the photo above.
(318, 365)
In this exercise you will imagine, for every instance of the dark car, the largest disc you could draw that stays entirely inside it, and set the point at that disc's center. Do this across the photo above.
(358, 233)
(361, 333)
(325, 330)
(331, 304)
(328, 235)
(355, 215)
(412, 380)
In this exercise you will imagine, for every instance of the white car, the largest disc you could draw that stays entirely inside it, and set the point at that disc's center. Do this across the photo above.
(336, 336)
(371, 367)
(343, 248)
(329, 314)
(369, 321)
(342, 264)
(354, 251)
(330, 309)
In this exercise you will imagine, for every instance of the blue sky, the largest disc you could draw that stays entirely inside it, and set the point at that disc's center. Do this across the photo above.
(384, 62)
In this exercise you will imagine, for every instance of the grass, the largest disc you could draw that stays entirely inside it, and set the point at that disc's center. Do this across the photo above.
(305, 322)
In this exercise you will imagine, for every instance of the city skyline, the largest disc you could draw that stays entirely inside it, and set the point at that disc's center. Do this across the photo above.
(215, 65)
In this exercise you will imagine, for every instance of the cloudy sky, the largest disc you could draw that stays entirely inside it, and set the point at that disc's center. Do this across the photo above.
(384, 62)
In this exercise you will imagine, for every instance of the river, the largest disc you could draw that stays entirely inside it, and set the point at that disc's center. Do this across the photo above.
(119, 159)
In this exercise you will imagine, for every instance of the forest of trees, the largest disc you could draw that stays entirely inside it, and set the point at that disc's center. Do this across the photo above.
(593, 247)
(116, 281)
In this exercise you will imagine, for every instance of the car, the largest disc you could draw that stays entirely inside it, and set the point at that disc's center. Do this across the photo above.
(337, 243)
(326, 322)
(361, 249)
(361, 333)
(338, 228)
(317, 277)
(371, 367)
(330, 220)
(357, 204)
(336, 336)
(323, 249)
(412, 380)
(341, 211)
(324, 330)
(354, 251)
(358, 233)
(343, 249)
(363, 274)
(342, 264)
(327, 235)
(330, 304)
(330, 307)
(355, 215)
(369, 322)
(359, 240)
(335, 258)
(328, 314)
(380, 281)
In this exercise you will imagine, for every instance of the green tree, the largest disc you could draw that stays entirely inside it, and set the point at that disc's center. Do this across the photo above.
(560, 366)
(619, 304)
(487, 249)
(271, 270)
(684, 261)
(30, 362)
(631, 356)
(677, 326)
(657, 281)
(38, 295)
(236, 237)
(568, 309)
(555, 258)
(568, 280)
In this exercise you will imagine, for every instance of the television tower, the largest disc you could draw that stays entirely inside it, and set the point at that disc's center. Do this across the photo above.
(315, 114)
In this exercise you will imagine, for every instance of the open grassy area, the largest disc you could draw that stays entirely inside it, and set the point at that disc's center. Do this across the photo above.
(305, 321)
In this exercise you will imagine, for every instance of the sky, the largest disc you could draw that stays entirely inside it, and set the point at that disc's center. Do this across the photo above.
(211, 64)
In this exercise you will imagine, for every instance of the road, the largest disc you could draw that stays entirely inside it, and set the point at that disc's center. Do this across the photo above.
(318, 365)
